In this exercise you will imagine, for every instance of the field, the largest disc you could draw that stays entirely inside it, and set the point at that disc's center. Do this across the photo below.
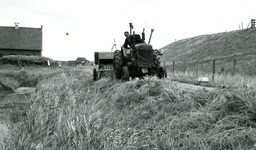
(69, 110)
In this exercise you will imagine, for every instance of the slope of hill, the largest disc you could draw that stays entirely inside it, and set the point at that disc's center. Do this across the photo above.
(224, 47)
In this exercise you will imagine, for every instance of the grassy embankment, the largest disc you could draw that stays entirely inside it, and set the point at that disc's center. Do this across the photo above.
(70, 111)
(234, 51)
(200, 51)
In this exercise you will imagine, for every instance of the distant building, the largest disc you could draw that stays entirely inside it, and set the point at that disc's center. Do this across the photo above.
(71, 63)
(81, 60)
(20, 41)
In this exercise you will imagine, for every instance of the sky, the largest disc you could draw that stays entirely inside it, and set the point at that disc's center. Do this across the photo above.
(92, 25)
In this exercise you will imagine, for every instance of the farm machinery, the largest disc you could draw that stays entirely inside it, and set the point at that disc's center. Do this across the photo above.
(104, 65)
(139, 60)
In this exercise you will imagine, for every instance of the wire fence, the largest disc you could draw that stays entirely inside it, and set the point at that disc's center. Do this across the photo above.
(243, 64)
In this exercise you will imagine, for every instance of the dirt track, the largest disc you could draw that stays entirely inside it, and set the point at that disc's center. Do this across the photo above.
(194, 87)
(9, 101)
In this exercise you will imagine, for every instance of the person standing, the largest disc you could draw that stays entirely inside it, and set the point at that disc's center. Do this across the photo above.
(48, 62)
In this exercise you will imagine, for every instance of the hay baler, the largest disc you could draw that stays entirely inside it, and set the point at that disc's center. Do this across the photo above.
(103, 65)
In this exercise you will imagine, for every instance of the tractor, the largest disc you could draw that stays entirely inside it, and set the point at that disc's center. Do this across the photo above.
(139, 60)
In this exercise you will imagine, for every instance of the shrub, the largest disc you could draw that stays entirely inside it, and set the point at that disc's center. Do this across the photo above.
(25, 60)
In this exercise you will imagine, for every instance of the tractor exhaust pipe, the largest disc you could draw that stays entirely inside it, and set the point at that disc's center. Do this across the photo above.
(152, 30)
(143, 35)
(131, 27)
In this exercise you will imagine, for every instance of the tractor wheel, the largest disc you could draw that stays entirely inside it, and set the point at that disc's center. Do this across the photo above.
(94, 74)
(162, 73)
(118, 64)
(126, 73)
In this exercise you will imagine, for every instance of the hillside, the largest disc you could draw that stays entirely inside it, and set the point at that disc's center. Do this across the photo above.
(224, 47)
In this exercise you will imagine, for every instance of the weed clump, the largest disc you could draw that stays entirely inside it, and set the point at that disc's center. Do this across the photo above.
(8, 83)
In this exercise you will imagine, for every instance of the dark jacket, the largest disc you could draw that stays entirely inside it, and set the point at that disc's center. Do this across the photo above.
(127, 42)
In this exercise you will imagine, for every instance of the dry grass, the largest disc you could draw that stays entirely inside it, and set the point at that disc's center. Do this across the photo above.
(71, 111)
(213, 46)
(200, 51)
(220, 80)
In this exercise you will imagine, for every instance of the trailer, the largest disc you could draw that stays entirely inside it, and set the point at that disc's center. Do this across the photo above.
(103, 65)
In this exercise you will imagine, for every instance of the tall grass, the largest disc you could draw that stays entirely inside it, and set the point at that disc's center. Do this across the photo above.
(71, 111)
(220, 80)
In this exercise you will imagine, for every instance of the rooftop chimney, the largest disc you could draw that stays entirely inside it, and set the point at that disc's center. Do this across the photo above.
(16, 25)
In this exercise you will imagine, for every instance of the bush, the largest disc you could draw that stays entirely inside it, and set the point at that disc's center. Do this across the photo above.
(25, 60)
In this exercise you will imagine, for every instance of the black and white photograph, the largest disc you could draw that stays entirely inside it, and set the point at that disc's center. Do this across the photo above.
(127, 75)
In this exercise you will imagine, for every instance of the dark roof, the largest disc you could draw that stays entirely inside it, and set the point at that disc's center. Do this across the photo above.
(22, 38)
(80, 58)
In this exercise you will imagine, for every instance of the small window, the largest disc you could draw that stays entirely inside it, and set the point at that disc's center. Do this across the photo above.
(12, 54)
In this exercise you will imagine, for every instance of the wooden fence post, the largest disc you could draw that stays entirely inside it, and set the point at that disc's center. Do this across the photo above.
(234, 66)
(253, 66)
(184, 62)
(213, 69)
(197, 68)
(173, 66)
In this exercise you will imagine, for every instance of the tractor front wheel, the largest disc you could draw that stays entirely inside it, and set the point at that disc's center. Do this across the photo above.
(118, 63)
(162, 73)
(94, 74)
(126, 73)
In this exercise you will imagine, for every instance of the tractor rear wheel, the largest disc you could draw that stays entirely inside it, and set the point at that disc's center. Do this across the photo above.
(94, 74)
(162, 73)
(126, 73)
(118, 63)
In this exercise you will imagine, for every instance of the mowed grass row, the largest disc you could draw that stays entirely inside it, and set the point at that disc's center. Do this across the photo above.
(71, 111)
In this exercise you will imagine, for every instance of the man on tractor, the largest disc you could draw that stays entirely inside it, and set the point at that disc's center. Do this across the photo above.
(126, 43)
(127, 40)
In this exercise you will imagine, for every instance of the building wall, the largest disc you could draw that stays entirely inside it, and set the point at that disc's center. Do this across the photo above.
(22, 38)
(21, 41)
(4, 52)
